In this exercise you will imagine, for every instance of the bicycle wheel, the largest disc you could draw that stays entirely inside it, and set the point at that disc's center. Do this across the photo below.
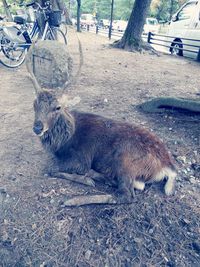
(60, 36)
(56, 34)
(63, 27)
(11, 56)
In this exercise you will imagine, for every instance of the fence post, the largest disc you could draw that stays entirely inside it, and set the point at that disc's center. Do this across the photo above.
(149, 37)
(97, 29)
(198, 56)
(88, 27)
(110, 32)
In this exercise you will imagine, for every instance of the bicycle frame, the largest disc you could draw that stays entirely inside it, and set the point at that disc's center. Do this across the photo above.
(15, 40)
(24, 45)
(35, 30)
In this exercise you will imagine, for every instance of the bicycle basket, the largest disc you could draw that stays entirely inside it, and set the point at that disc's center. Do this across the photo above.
(55, 18)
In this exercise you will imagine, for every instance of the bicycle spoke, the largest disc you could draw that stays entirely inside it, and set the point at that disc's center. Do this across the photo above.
(55, 33)
(10, 56)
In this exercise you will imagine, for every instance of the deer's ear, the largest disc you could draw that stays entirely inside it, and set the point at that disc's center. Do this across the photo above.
(67, 101)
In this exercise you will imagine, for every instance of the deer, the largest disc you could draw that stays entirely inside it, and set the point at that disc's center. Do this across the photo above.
(90, 148)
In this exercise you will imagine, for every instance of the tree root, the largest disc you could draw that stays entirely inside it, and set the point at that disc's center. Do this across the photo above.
(136, 46)
(160, 104)
(89, 199)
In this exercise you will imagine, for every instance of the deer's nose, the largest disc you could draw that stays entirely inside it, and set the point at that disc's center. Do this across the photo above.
(38, 127)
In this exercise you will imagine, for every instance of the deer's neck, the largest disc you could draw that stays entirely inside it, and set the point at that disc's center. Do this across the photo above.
(60, 133)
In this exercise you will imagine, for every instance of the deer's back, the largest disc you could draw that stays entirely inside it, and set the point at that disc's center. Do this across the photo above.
(102, 138)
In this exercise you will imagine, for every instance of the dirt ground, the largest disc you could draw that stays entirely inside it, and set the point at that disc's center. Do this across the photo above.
(155, 230)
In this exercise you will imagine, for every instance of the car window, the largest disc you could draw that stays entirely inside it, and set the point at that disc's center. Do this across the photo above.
(187, 11)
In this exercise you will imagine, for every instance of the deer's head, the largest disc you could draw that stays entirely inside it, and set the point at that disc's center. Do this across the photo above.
(53, 123)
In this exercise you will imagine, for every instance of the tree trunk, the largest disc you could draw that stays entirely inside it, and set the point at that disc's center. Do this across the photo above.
(7, 10)
(132, 39)
(67, 17)
(78, 15)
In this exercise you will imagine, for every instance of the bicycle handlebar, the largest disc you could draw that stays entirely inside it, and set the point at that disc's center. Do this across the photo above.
(30, 4)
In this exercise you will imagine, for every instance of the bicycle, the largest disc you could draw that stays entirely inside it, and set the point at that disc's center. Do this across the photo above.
(16, 40)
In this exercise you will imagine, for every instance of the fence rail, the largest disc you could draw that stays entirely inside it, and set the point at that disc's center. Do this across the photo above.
(172, 40)
(105, 31)
(167, 41)
(99, 30)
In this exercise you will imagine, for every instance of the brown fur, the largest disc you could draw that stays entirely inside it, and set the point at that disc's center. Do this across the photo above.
(121, 152)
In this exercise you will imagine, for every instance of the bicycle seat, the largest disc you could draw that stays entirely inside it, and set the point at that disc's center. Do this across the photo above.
(19, 20)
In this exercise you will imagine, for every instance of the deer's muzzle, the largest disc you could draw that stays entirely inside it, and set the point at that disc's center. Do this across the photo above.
(38, 127)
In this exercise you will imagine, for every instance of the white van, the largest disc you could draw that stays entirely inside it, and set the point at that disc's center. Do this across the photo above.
(151, 25)
(185, 24)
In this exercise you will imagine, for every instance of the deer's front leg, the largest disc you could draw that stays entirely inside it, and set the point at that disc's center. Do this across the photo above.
(74, 170)
(82, 179)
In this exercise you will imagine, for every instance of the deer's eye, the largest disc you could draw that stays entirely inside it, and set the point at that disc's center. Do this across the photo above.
(57, 108)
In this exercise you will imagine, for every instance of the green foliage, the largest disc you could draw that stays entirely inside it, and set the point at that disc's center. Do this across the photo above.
(161, 9)
(122, 9)
(14, 5)
(103, 9)
(88, 7)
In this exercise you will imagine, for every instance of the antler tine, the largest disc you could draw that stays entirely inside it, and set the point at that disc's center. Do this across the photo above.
(36, 85)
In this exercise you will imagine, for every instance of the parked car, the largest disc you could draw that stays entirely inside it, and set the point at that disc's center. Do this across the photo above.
(185, 24)
(119, 25)
(151, 25)
(87, 20)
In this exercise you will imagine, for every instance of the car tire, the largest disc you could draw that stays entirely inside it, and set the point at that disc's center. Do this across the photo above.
(177, 48)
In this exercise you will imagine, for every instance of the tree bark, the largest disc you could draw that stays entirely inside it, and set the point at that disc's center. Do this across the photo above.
(171, 9)
(132, 39)
(7, 10)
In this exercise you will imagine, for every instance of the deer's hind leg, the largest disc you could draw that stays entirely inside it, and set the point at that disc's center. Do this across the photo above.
(139, 185)
(126, 188)
(128, 173)
(125, 192)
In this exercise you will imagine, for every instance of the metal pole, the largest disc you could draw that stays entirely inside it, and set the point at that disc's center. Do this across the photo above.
(198, 56)
(78, 15)
(149, 37)
(111, 19)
